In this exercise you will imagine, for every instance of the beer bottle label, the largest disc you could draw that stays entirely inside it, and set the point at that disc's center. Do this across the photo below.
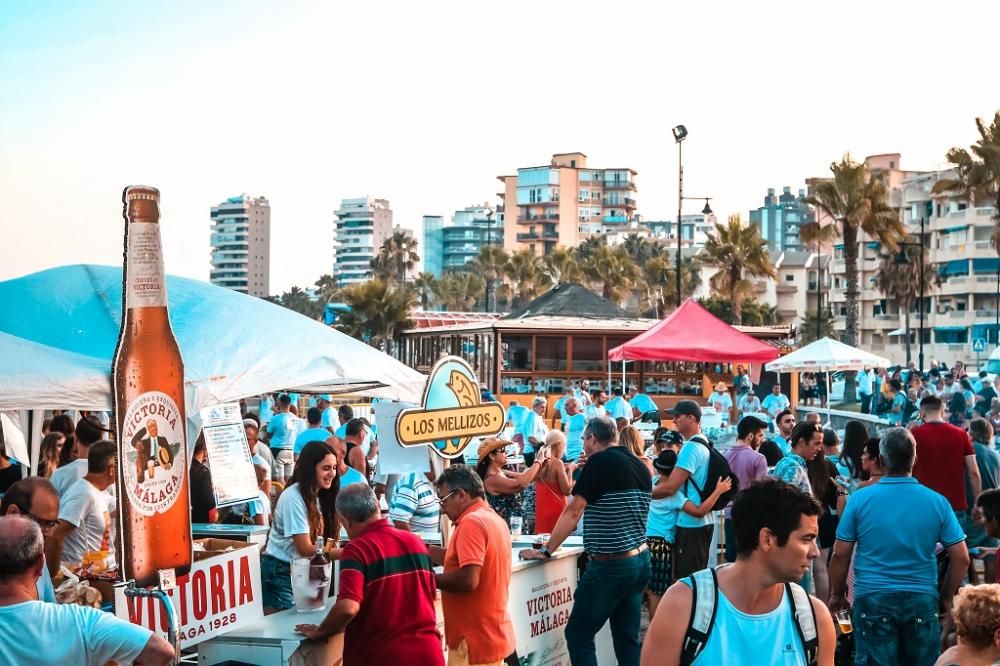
(145, 288)
(155, 455)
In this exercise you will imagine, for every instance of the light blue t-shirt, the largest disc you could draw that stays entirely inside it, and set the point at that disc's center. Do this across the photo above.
(894, 417)
(722, 402)
(896, 525)
(643, 403)
(783, 444)
(290, 518)
(310, 435)
(283, 428)
(329, 418)
(574, 435)
(560, 407)
(266, 409)
(36, 632)
(693, 458)
(618, 407)
(774, 404)
(663, 513)
(736, 636)
(516, 414)
(352, 476)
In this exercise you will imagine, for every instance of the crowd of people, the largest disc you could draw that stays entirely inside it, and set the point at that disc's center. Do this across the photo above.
(880, 534)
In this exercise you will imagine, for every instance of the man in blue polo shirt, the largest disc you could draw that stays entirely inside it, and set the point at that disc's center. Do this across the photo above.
(893, 528)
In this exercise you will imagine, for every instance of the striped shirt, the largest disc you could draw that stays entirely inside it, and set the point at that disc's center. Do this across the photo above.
(414, 502)
(616, 486)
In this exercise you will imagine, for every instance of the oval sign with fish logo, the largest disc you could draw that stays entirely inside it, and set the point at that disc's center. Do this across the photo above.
(452, 412)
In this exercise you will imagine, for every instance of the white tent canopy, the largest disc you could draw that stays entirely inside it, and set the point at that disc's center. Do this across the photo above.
(827, 355)
(36, 376)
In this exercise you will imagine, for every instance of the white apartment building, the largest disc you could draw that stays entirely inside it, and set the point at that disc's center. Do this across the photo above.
(241, 245)
(960, 304)
(362, 224)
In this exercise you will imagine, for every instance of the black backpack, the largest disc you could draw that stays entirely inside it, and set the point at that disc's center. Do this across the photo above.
(718, 468)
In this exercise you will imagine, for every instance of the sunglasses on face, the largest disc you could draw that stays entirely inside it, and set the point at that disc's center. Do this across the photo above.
(42, 522)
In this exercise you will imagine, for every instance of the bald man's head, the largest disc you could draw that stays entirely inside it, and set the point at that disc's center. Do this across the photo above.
(20, 548)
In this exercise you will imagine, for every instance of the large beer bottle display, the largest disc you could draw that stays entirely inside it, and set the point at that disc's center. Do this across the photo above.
(149, 407)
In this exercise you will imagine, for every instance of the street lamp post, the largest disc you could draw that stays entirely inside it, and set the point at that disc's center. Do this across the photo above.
(902, 259)
(680, 133)
(489, 243)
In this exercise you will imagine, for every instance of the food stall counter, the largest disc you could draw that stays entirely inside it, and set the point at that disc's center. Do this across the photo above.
(249, 533)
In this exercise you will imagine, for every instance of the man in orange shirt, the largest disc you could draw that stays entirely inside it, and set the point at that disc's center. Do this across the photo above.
(477, 569)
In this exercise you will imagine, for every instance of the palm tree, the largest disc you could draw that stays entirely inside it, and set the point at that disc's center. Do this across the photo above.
(613, 270)
(902, 281)
(640, 248)
(327, 288)
(657, 278)
(755, 313)
(857, 203)
(379, 312)
(490, 265)
(740, 253)
(424, 284)
(588, 247)
(459, 291)
(299, 301)
(527, 275)
(397, 256)
(978, 173)
(691, 280)
(561, 267)
(808, 327)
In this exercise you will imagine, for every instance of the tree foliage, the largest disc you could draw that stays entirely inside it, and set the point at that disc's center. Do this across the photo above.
(297, 300)
(978, 172)
(380, 311)
(740, 254)
(396, 258)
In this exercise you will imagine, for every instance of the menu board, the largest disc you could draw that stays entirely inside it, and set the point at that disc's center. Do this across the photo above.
(233, 477)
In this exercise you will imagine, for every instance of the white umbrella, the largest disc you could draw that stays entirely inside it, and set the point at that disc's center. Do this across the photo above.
(827, 355)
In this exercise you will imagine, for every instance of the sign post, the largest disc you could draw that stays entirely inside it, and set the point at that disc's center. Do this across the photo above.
(978, 346)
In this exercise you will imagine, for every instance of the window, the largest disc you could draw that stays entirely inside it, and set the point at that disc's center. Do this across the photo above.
(789, 277)
(550, 353)
(588, 353)
(517, 353)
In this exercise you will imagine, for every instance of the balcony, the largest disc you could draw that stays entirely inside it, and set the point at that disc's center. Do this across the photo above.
(462, 249)
(535, 219)
(624, 202)
(889, 318)
(537, 236)
(618, 185)
(615, 219)
(786, 288)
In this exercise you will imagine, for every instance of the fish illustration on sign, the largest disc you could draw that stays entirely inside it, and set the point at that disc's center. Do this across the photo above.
(452, 413)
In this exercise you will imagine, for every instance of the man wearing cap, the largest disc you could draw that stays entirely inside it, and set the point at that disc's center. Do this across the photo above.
(748, 403)
(328, 417)
(748, 465)
(612, 497)
(721, 400)
(694, 535)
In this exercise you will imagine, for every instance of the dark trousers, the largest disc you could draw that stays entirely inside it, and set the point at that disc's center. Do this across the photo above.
(866, 403)
(609, 590)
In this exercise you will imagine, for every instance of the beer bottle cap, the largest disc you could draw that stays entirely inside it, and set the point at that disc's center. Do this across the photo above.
(137, 192)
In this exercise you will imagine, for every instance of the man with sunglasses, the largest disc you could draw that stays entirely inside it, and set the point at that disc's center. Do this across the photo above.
(35, 498)
(475, 584)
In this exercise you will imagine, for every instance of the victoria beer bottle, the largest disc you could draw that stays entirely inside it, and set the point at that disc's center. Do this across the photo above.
(155, 513)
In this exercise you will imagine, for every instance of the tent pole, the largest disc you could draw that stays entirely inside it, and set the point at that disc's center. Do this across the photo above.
(828, 395)
(623, 375)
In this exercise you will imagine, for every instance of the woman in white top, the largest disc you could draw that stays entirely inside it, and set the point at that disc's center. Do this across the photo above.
(305, 511)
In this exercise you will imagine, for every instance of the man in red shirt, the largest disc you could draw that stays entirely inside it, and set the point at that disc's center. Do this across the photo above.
(944, 455)
(385, 606)
(477, 568)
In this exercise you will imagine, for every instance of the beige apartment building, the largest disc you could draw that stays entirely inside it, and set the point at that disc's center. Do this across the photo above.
(960, 303)
(240, 243)
(565, 202)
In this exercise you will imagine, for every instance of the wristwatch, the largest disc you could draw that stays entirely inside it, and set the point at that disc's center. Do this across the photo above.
(544, 550)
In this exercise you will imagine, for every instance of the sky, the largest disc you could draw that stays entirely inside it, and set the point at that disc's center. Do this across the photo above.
(425, 104)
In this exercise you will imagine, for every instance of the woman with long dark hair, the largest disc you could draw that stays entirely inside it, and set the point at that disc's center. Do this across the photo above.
(305, 512)
(64, 424)
(49, 452)
(958, 410)
(849, 464)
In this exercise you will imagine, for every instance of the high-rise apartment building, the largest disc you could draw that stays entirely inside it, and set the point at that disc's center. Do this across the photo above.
(695, 229)
(960, 302)
(450, 246)
(565, 202)
(781, 217)
(362, 225)
(241, 245)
